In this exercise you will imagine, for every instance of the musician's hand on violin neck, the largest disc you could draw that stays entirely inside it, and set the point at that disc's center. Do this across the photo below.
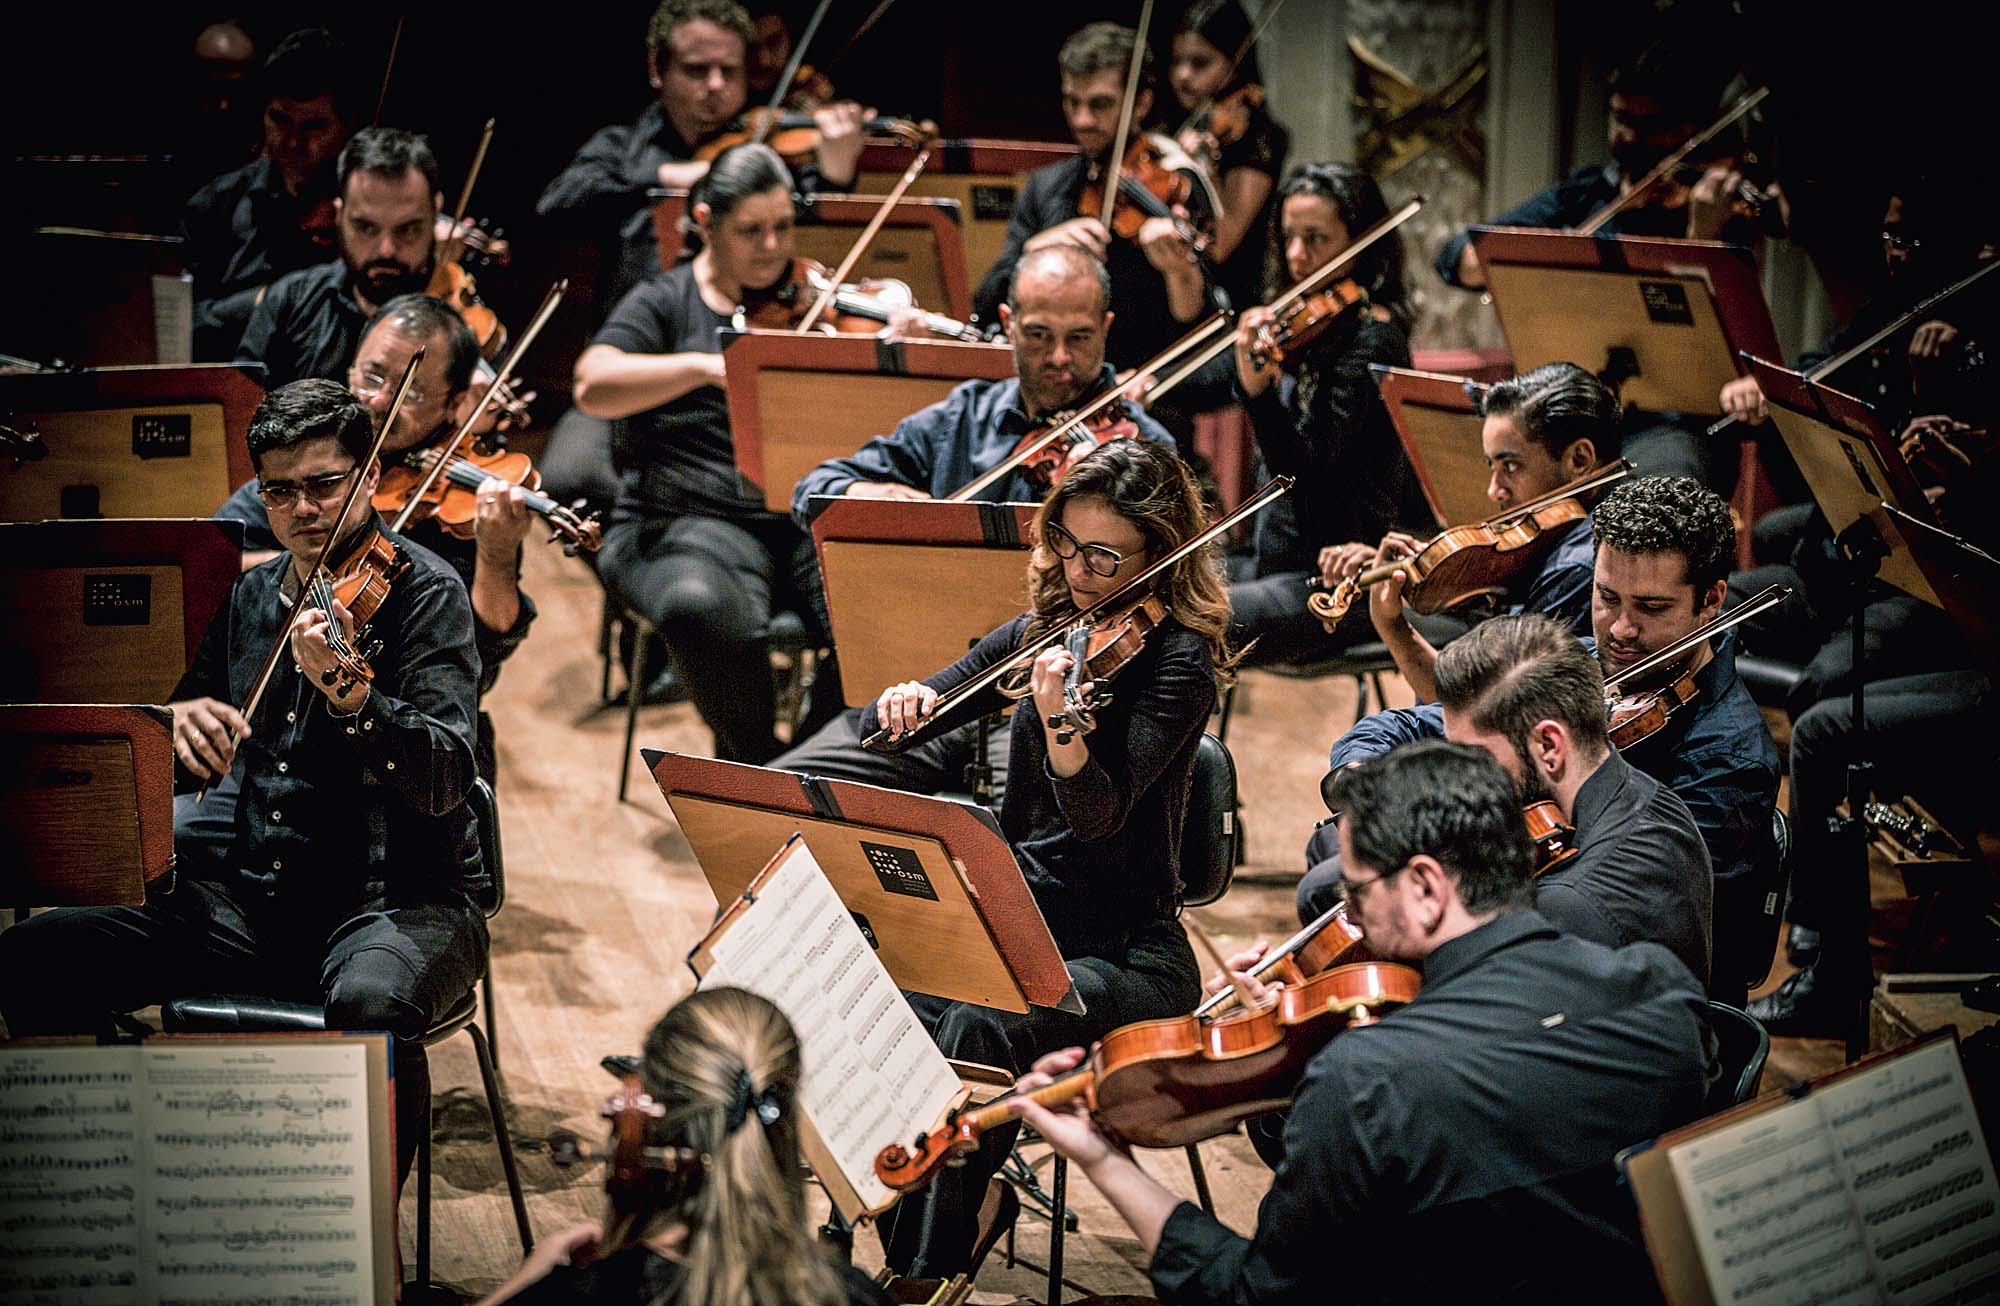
(312, 649)
(1711, 201)
(902, 708)
(840, 140)
(1255, 380)
(883, 490)
(1385, 598)
(1165, 248)
(206, 732)
(1067, 1125)
(501, 519)
(1086, 233)
(1743, 399)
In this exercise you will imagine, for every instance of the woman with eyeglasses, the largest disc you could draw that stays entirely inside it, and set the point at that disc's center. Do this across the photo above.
(1095, 821)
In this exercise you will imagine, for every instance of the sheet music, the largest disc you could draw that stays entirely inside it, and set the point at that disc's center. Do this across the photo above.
(69, 1176)
(1875, 1188)
(872, 1073)
(259, 1185)
(173, 319)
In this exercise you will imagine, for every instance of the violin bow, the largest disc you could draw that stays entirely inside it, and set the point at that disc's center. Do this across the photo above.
(1243, 50)
(1744, 104)
(1597, 480)
(1271, 961)
(861, 242)
(500, 378)
(318, 568)
(1132, 71)
(1768, 597)
(1275, 487)
(1842, 359)
(389, 67)
(471, 176)
(1237, 985)
(791, 73)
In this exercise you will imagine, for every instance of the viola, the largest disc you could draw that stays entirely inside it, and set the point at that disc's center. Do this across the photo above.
(453, 501)
(1168, 1083)
(455, 286)
(364, 582)
(1306, 320)
(1633, 716)
(1466, 561)
(1155, 180)
(1045, 460)
(1100, 649)
(1554, 837)
(795, 136)
(638, 1176)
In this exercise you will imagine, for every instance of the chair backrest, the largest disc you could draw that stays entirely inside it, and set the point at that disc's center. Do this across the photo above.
(1208, 838)
(491, 891)
(1742, 1046)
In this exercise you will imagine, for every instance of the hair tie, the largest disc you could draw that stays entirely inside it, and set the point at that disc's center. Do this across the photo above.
(766, 1104)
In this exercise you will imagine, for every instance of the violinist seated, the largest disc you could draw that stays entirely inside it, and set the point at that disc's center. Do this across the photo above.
(1159, 285)
(1478, 1120)
(1663, 550)
(273, 215)
(1056, 318)
(441, 397)
(696, 54)
(1229, 128)
(346, 880)
(1528, 692)
(1094, 815)
(770, 50)
(1318, 416)
(1658, 101)
(1539, 431)
(723, 1068)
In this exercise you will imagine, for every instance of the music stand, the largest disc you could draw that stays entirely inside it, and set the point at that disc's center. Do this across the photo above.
(932, 882)
(967, 560)
(125, 296)
(984, 176)
(921, 243)
(87, 809)
(1662, 321)
(796, 401)
(109, 611)
(128, 441)
(1437, 418)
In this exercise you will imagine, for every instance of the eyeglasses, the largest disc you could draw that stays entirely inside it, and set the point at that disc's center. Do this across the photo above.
(1894, 239)
(1350, 890)
(368, 381)
(1100, 559)
(320, 489)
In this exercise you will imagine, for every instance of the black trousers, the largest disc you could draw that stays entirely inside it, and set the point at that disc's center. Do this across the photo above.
(710, 586)
(930, 1233)
(1272, 611)
(939, 765)
(379, 965)
(578, 463)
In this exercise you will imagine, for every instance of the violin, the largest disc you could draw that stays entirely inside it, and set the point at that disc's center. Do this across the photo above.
(1466, 561)
(1100, 649)
(860, 307)
(795, 136)
(1168, 1083)
(452, 499)
(1048, 452)
(638, 1177)
(1155, 180)
(1222, 124)
(363, 585)
(1634, 717)
(1306, 320)
(1674, 164)
(1554, 837)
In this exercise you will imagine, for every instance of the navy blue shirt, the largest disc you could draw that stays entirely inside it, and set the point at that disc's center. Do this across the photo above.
(940, 448)
(309, 325)
(241, 232)
(1560, 587)
(1461, 1150)
(340, 811)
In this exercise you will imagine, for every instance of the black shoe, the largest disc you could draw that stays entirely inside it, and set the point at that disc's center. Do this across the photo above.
(1802, 945)
(665, 688)
(1798, 1008)
(997, 1213)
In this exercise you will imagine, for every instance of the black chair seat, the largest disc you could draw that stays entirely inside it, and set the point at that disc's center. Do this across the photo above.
(1743, 1047)
(1355, 660)
(1769, 680)
(230, 1013)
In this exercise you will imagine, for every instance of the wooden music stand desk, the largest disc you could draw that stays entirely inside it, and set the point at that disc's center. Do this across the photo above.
(87, 805)
(109, 611)
(1669, 317)
(921, 243)
(968, 562)
(129, 441)
(796, 401)
(932, 882)
(984, 177)
(1437, 418)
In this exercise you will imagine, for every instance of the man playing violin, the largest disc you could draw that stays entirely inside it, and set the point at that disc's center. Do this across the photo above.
(1663, 551)
(1475, 1121)
(346, 880)
(1158, 285)
(1540, 431)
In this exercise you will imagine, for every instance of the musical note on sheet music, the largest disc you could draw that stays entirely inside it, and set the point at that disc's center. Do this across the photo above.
(68, 1178)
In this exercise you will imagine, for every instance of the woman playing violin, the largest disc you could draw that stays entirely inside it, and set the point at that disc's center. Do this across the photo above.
(1095, 820)
(1317, 415)
(1231, 131)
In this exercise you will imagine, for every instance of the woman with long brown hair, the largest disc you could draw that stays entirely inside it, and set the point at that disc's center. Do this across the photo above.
(723, 1067)
(1095, 819)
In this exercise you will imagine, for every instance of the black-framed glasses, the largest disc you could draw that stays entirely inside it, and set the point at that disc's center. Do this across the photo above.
(1100, 559)
(1894, 239)
(1350, 890)
(320, 489)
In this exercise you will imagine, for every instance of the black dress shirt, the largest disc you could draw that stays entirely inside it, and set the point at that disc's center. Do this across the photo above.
(241, 232)
(340, 811)
(940, 448)
(1101, 848)
(494, 646)
(1461, 1150)
(309, 325)
(1145, 324)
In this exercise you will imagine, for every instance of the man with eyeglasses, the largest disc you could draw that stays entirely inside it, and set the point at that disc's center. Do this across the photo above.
(347, 877)
(1480, 1118)
(1057, 316)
